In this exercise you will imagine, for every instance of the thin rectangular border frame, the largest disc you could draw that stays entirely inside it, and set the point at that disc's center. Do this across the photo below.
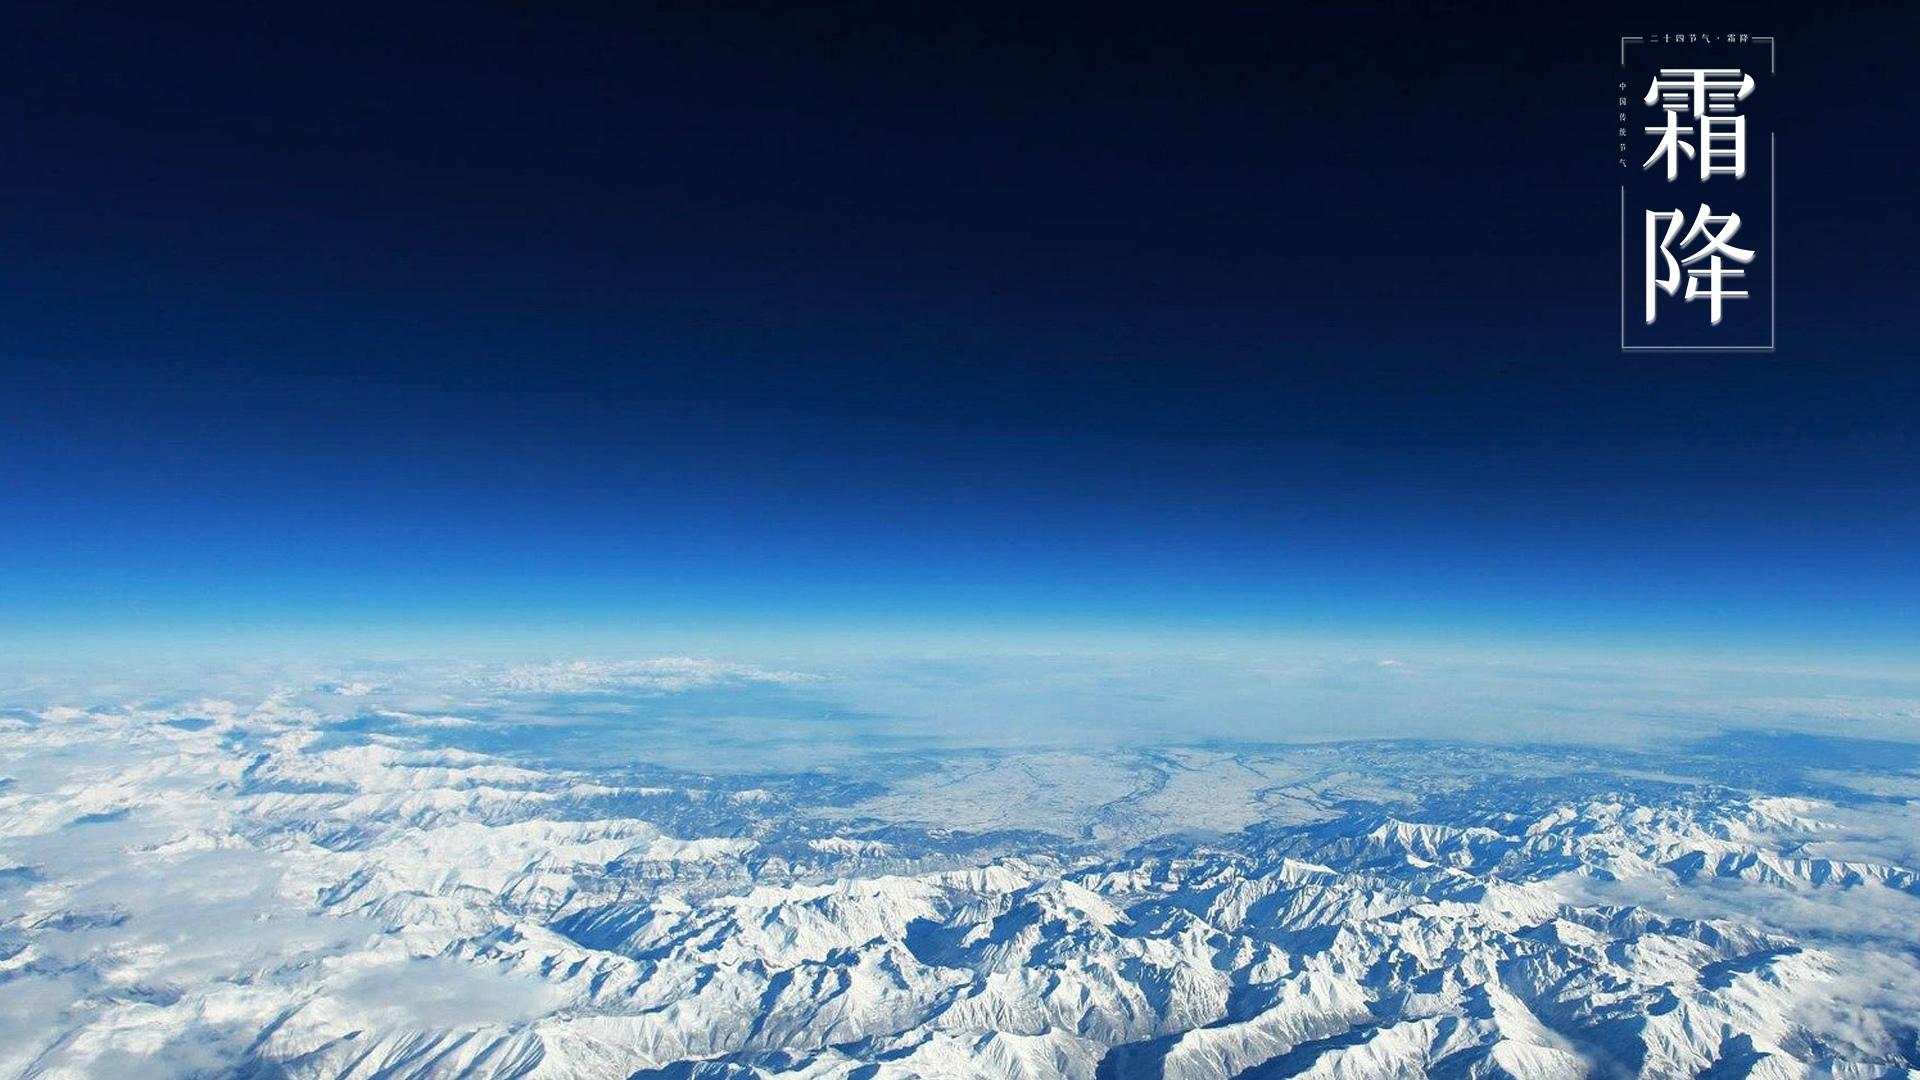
(1773, 228)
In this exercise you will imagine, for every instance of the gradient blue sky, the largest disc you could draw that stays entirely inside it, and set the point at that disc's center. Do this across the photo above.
(521, 328)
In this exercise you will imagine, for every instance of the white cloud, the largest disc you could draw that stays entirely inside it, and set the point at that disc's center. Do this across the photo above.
(665, 675)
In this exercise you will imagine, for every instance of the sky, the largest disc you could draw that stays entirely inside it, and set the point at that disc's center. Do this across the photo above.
(523, 327)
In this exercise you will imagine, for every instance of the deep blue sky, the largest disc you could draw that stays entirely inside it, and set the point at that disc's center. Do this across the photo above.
(338, 321)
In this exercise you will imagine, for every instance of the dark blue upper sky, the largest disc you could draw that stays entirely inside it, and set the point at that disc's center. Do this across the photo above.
(334, 319)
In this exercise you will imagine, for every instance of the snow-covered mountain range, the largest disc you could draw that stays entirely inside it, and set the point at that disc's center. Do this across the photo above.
(320, 883)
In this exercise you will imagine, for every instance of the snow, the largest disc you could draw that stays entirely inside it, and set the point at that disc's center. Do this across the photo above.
(283, 892)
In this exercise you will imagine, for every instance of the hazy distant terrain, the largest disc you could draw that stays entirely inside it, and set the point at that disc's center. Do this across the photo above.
(527, 871)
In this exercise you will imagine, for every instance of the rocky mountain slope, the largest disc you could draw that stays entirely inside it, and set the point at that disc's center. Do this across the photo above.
(268, 890)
